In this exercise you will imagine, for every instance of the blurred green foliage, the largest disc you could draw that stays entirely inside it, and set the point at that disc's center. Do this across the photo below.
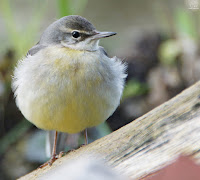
(14, 135)
(185, 23)
(134, 88)
(69, 7)
(21, 39)
(169, 51)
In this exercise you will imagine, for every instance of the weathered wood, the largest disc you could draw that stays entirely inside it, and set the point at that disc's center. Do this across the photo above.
(148, 143)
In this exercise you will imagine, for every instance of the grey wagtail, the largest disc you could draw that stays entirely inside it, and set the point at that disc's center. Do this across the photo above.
(67, 83)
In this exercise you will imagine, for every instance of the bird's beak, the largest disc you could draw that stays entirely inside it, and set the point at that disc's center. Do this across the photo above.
(99, 35)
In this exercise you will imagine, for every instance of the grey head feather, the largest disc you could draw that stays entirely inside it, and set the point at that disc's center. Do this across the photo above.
(56, 31)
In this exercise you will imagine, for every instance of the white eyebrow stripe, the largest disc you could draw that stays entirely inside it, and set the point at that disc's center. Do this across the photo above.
(69, 30)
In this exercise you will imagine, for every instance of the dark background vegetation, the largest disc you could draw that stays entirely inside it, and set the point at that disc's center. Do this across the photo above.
(158, 39)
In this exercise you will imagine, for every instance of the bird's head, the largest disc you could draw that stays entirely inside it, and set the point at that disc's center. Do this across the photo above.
(73, 32)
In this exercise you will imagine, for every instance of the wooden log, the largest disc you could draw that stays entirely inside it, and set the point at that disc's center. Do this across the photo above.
(148, 143)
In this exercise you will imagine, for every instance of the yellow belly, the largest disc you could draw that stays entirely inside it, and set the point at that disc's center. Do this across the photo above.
(78, 113)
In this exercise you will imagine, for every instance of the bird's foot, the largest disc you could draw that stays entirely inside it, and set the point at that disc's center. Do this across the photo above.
(61, 154)
(51, 161)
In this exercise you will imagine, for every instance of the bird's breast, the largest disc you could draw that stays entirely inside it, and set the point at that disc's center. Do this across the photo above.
(77, 68)
(67, 90)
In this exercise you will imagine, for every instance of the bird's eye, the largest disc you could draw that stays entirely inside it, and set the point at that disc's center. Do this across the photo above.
(75, 34)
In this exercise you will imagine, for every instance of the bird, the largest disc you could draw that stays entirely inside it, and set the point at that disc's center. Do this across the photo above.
(67, 82)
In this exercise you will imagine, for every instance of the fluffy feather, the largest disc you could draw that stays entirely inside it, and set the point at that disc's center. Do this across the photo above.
(68, 90)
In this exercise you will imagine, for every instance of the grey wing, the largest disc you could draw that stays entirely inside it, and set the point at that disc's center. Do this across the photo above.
(35, 49)
(103, 50)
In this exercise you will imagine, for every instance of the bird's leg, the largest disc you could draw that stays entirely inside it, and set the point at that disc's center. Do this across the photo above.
(86, 136)
(53, 157)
